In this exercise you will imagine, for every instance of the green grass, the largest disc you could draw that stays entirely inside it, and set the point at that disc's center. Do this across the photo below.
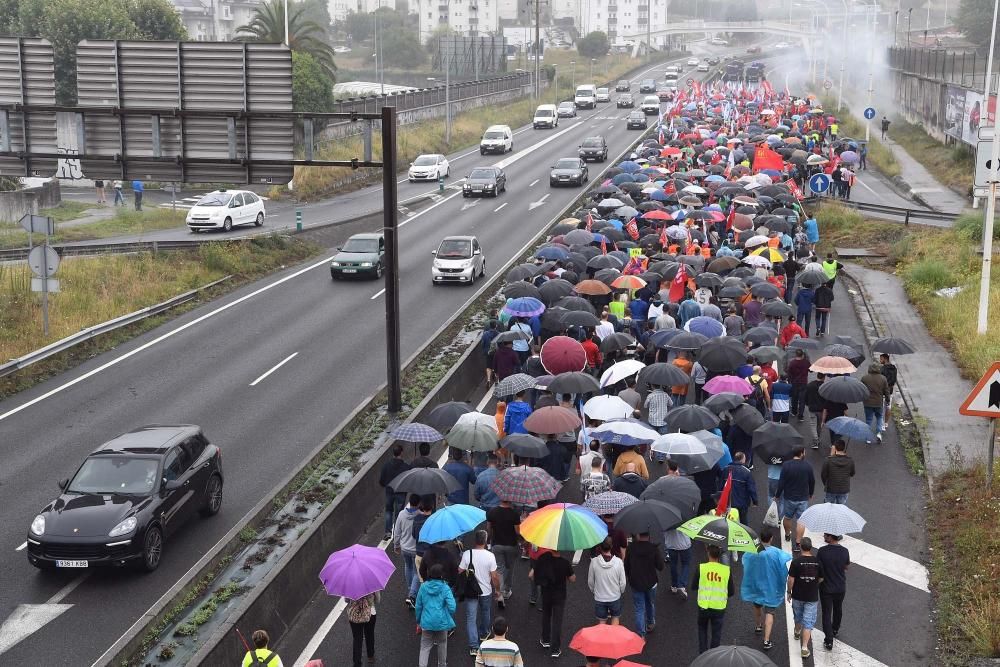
(124, 222)
(879, 157)
(67, 210)
(953, 165)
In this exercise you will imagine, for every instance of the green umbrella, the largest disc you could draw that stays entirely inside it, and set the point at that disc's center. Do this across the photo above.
(473, 437)
(722, 532)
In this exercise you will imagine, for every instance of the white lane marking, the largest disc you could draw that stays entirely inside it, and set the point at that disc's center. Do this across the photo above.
(532, 184)
(535, 204)
(274, 368)
(882, 561)
(67, 589)
(842, 655)
(470, 204)
(503, 164)
(500, 206)
(22, 547)
(27, 619)
(377, 294)
(170, 334)
(429, 208)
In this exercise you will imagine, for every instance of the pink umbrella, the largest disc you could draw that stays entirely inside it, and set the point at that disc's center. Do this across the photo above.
(562, 354)
(728, 383)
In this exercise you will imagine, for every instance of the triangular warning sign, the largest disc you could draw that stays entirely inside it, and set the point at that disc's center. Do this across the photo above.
(984, 399)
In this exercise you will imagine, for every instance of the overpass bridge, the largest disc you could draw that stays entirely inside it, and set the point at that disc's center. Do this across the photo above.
(794, 30)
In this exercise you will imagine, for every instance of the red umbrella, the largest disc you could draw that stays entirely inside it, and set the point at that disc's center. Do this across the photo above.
(552, 419)
(607, 641)
(656, 215)
(562, 354)
(670, 150)
(629, 663)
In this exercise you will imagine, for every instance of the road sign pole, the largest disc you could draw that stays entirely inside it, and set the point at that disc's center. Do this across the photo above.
(989, 455)
(45, 288)
(390, 228)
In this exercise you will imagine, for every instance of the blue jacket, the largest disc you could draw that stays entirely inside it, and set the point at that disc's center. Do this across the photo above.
(744, 491)
(689, 309)
(513, 420)
(435, 606)
(465, 476)
(485, 494)
(812, 230)
(639, 309)
(804, 300)
(764, 577)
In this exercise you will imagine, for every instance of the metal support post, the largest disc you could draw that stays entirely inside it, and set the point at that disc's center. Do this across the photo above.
(298, 219)
(389, 211)
(989, 455)
(447, 101)
(538, 46)
(991, 203)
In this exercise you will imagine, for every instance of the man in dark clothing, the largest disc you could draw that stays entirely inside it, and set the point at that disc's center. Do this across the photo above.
(835, 560)
(885, 126)
(708, 482)
(425, 461)
(815, 403)
(795, 488)
(552, 572)
(798, 376)
(791, 270)
(890, 372)
(630, 482)
(502, 523)
(838, 469)
(393, 501)
(463, 474)
(804, 307)
(444, 554)
(753, 313)
(744, 489)
(643, 560)
(491, 331)
(552, 462)
(831, 410)
(823, 301)
(505, 361)
(805, 574)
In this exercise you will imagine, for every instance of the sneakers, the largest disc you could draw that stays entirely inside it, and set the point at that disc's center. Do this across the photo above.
(802, 418)
(474, 652)
(673, 589)
(797, 633)
(828, 645)
(409, 602)
(878, 436)
(815, 443)
(759, 629)
(650, 627)
(683, 592)
(788, 536)
(885, 427)
(768, 644)
(797, 547)
(544, 643)
(500, 603)
(556, 653)
(868, 442)
(531, 601)
(387, 537)
(806, 653)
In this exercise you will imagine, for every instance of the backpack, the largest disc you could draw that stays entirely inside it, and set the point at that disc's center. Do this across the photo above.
(467, 587)
(756, 399)
(360, 610)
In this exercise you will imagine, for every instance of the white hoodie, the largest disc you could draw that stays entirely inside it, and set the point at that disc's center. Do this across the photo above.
(606, 578)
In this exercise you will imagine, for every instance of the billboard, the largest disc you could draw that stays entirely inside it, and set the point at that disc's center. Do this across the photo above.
(965, 111)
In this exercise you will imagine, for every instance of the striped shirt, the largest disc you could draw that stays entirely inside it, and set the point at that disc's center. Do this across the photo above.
(499, 653)
(658, 403)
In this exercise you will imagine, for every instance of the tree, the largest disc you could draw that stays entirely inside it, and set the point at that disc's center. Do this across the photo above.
(357, 26)
(401, 48)
(975, 20)
(157, 20)
(433, 45)
(312, 88)
(594, 45)
(268, 25)
(316, 11)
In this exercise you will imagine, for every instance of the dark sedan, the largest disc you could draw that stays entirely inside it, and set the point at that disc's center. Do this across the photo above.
(623, 86)
(625, 101)
(647, 86)
(569, 171)
(485, 181)
(637, 121)
(126, 498)
(362, 255)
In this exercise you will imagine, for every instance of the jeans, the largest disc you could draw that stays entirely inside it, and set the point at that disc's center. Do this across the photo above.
(477, 619)
(507, 557)
(119, 197)
(645, 609)
(836, 498)
(875, 413)
(429, 638)
(804, 319)
(552, 618)
(795, 508)
(138, 200)
(798, 403)
(789, 286)
(833, 613)
(706, 617)
(680, 567)
(363, 632)
(804, 613)
(410, 578)
(394, 503)
(822, 319)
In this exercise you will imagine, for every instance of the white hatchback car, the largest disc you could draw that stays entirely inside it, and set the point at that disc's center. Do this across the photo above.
(458, 259)
(429, 167)
(225, 209)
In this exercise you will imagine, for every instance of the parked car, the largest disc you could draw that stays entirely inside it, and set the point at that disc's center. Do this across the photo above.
(126, 498)
(362, 255)
(458, 259)
(647, 86)
(594, 148)
(429, 167)
(650, 105)
(567, 110)
(625, 101)
(603, 95)
(636, 121)
(225, 209)
(623, 86)
(569, 171)
(485, 181)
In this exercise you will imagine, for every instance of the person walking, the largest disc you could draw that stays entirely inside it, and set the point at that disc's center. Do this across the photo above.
(657, 404)
(795, 488)
(878, 394)
(552, 572)
(831, 268)
(594, 480)
(678, 546)
(781, 400)
(838, 469)
(137, 191)
(630, 481)
(743, 492)
(463, 474)
(713, 587)
(517, 411)
(804, 307)
(479, 563)
(630, 455)
(805, 575)
(891, 373)
(811, 227)
(483, 490)
(885, 126)
(835, 559)
(816, 404)
(434, 611)
(823, 300)
(119, 196)
(797, 372)
(498, 651)
(99, 188)
(405, 542)
(393, 501)
(763, 585)
(361, 617)
(502, 523)
(790, 331)
(643, 561)
(261, 655)
(606, 580)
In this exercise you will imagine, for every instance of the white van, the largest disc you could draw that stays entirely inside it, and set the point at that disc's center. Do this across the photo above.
(496, 139)
(586, 96)
(546, 115)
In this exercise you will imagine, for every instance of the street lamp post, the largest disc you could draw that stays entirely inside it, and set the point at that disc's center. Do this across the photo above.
(555, 81)
(991, 203)
(909, 17)
(592, 61)
(572, 63)
(895, 27)
(840, 88)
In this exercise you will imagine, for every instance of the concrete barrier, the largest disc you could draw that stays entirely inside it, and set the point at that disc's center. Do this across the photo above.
(14, 204)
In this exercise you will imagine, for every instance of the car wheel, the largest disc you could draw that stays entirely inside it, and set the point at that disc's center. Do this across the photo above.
(447, 172)
(152, 549)
(378, 270)
(213, 496)
(259, 222)
(482, 152)
(227, 226)
(472, 278)
(482, 273)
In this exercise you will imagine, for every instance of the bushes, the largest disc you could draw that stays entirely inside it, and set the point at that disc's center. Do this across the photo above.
(930, 274)
(969, 226)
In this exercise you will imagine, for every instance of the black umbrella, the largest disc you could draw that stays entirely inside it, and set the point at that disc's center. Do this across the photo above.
(691, 418)
(767, 353)
(552, 290)
(519, 289)
(725, 400)
(681, 492)
(852, 354)
(799, 343)
(615, 342)
(708, 280)
(775, 442)
(607, 276)
(444, 416)
(778, 308)
(732, 292)
(687, 341)
(721, 355)
(761, 335)
(649, 516)
(576, 303)
(765, 290)
(747, 418)
(662, 375)
(552, 318)
(525, 445)
(892, 345)
(811, 278)
(521, 272)
(579, 318)
(424, 482)
(604, 262)
(742, 272)
(732, 656)
(844, 389)
(574, 383)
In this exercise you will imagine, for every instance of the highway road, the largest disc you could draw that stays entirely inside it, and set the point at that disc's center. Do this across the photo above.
(199, 369)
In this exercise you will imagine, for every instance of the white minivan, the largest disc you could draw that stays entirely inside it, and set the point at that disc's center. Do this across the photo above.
(586, 96)
(546, 115)
(497, 139)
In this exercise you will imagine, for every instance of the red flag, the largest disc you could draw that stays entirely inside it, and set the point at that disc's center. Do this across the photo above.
(664, 241)
(590, 221)
(678, 285)
(720, 509)
(794, 187)
(731, 217)
(604, 245)
(765, 158)
(633, 229)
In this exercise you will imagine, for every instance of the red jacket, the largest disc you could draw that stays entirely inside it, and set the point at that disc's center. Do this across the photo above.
(593, 353)
(789, 332)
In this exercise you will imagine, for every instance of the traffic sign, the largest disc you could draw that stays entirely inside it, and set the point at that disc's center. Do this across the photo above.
(50, 286)
(819, 183)
(37, 224)
(984, 399)
(983, 149)
(870, 113)
(691, 81)
(828, 84)
(43, 260)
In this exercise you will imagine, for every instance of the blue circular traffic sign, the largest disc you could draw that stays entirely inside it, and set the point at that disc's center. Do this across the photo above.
(819, 183)
(870, 113)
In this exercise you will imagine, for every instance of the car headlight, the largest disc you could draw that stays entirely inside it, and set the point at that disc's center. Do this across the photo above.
(335, 264)
(123, 528)
(367, 264)
(38, 525)
(466, 186)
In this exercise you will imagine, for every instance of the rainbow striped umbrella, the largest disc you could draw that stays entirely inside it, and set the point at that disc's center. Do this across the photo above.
(564, 527)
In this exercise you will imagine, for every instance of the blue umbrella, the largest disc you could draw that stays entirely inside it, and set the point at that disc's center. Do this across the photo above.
(651, 171)
(552, 253)
(774, 173)
(715, 178)
(416, 432)
(525, 306)
(706, 326)
(641, 177)
(598, 238)
(629, 167)
(663, 337)
(851, 428)
(624, 432)
(622, 178)
(451, 522)
(659, 195)
(616, 223)
(690, 106)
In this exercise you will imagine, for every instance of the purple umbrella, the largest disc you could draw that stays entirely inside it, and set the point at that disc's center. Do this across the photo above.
(356, 571)
(524, 306)
(729, 384)
(849, 157)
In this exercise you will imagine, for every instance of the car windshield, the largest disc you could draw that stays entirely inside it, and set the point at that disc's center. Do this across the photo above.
(481, 174)
(361, 245)
(215, 199)
(568, 163)
(115, 474)
(591, 143)
(425, 161)
(543, 113)
(602, 91)
(494, 135)
(455, 249)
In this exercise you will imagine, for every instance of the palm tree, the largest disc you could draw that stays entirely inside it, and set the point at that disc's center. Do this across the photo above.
(305, 36)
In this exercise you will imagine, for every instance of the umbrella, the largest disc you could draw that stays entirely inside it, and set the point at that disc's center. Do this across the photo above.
(624, 432)
(629, 663)
(662, 375)
(356, 571)
(473, 418)
(615, 342)
(722, 532)
(892, 345)
(723, 264)
(579, 318)
(563, 527)
(524, 445)
(474, 437)
(852, 354)
(761, 335)
(708, 280)
(681, 492)
(773, 255)
(705, 326)
(730, 384)
(519, 289)
(687, 341)
(832, 518)
(444, 416)
(552, 419)
(701, 461)
(767, 353)
(424, 482)
(811, 278)
(552, 253)
(678, 443)
(507, 336)
(844, 389)
(609, 503)
(747, 418)
(573, 383)
(732, 656)
(852, 428)
(525, 485)
(576, 303)
(512, 385)
(765, 291)
(578, 237)
(628, 282)
(621, 370)
(721, 355)
(648, 516)
(606, 408)
(416, 432)
(551, 291)
(562, 354)
(450, 522)
(777, 308)
(692, 418)
(725, 400)
(775, 442)
(800, 343)
(832, 366)
(524, 306)
(592, 288)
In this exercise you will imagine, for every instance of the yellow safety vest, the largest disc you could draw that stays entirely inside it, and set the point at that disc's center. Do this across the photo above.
(833, 128)
(713, 585)
(617, 308)
(830, 269)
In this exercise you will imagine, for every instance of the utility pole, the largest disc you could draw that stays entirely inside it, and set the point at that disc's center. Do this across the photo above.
(286, 23)
(390, 230)
(991, 203)
(447, 99)
(572, 63)
(538, 46)
(649, 28)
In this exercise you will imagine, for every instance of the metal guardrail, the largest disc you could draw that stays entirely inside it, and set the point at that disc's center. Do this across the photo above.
(906, 213)
(15, 254)
(64, 344)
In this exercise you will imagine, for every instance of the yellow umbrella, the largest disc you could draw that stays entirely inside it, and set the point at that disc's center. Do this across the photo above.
(772, 254)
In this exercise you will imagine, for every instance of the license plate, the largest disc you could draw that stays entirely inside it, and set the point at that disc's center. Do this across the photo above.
(72, 563)
(350, 270)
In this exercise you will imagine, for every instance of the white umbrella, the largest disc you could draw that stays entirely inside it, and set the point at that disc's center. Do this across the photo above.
(473, 418)
(753, 185)
(678, 443)
(621, 370)
(605, 408)
(832, 518)
(676, 232)
(757, 261)
(695, 190)
(755, 241)
(816, 159)
(763, 179)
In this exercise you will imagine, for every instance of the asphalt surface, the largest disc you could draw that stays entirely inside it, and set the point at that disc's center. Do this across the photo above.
(198, 368)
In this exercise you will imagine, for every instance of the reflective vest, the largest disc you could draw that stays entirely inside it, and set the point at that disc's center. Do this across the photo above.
(833, 128)
(713, 585)
(830, 269)
(617, 308)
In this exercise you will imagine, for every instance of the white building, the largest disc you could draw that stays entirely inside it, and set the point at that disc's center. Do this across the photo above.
(465, 17)
(622, 17)
(215, 20)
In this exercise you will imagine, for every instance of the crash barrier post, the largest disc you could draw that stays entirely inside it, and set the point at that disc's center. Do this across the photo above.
(906, 220)
(298, 219)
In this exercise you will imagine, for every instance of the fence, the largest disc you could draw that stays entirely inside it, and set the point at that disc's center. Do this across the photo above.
(961, 68)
